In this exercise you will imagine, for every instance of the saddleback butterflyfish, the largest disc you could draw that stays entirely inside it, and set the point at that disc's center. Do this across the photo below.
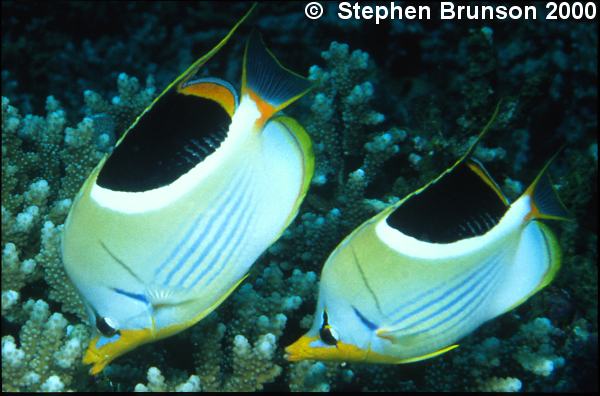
(410, 282)
(200, 185)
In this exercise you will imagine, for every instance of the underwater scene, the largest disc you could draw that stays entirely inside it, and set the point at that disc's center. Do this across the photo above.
(299, 196)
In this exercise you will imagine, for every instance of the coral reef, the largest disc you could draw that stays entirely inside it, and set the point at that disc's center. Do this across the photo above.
(50, 352)
(533, 358)
(389, 110)
(156, 383)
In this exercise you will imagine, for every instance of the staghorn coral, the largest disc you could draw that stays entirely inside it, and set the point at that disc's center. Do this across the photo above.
(507, 384)
(31, 202)
(238, 347)
(34, 203)
(156, 383)
(537, 355)
(44, 163)
(435, 84)
(343, 127)
(533, 357)
(49, 355)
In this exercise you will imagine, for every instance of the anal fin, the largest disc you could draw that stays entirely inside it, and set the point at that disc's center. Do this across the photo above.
(429, 355)
(398, 338)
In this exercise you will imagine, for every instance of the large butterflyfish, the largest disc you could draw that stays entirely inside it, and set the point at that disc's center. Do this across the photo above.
(410, 282)
(197, 188)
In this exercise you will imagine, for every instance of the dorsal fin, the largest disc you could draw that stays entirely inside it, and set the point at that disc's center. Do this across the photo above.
(479, 170)
(191, 71)
(272, 86)
(215, 89)
(483, 132)
(462, 202)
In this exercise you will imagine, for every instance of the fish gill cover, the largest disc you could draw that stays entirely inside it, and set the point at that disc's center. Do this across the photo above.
(394, 103)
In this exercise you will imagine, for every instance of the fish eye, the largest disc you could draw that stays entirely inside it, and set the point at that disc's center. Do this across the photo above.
(327, 333)
(106, 326)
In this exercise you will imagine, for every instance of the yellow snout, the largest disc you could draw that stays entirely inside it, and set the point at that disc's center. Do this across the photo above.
(302, 350)
(102, 356)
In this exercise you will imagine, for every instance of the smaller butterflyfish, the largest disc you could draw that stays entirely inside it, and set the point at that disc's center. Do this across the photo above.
(199, 186)
(410, 282)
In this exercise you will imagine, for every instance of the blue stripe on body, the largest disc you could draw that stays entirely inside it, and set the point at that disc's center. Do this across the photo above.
(478, 296)
(461, 320)
(468, 290)
(422, 295)
(439, 298)
(201, 234)
(365, 321)
(239, 238)
(184, 240)
(218, 236)
(179, 246)
(135, 296)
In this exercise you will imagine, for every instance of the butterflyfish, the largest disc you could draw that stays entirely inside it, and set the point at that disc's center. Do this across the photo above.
(199, 186)
(410, 282)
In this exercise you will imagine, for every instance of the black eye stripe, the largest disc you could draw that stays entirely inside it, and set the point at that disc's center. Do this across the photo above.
(104, 328)
(325, 332)
(327, 337)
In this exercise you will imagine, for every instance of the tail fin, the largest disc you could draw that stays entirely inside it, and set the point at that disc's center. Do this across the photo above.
(272, 86)
(545, 202)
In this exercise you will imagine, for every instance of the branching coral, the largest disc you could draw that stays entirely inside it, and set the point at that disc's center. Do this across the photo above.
(157, 383)
(49, 355)
(247, 330)
(537, 353)
(31, 203)
(44, 163)
(508, 384)
(437, 87)
(344, 128)
(528, 359)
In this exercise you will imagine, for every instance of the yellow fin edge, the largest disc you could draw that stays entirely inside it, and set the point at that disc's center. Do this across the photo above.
(429, 355)
(465, 156)
(555, 263)
(197, 64)
(303, 140)
(193, 68)
(168, 331)
(100, 358)
(483, 175)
